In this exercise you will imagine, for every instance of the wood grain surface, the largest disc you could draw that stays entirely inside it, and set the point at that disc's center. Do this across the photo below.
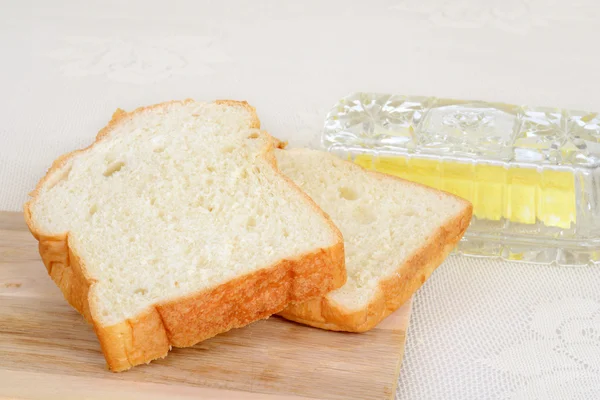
(48, 351)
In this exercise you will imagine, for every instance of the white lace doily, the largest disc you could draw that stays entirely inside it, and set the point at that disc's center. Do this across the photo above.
(484, 329)
(480, 329)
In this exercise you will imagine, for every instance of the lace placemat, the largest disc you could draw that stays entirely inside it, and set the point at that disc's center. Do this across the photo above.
(486, 329)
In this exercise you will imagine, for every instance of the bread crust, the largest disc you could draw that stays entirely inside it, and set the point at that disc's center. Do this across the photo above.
(394, 290)
(187, 320)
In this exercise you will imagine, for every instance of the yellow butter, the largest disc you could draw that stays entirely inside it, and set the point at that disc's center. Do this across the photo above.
(523, 195)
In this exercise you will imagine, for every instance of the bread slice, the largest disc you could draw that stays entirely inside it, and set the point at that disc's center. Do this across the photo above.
(176, 225)
(396, 233)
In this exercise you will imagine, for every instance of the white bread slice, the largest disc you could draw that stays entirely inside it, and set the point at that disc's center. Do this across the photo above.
(176, 225)
(395, 232)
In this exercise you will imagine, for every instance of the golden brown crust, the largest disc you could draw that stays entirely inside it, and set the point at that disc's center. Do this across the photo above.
(393, 291)
(279, 144)
(187, 320)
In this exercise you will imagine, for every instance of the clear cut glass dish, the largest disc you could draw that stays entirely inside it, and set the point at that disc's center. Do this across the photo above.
(532, 173)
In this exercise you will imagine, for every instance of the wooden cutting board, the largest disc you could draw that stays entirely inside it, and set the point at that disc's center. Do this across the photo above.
(48, 351)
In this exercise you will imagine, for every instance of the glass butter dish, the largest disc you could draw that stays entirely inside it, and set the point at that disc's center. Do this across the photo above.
(532, 173)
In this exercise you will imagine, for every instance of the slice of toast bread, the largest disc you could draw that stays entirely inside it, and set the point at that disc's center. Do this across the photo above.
(396, 233)
(176, 225)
